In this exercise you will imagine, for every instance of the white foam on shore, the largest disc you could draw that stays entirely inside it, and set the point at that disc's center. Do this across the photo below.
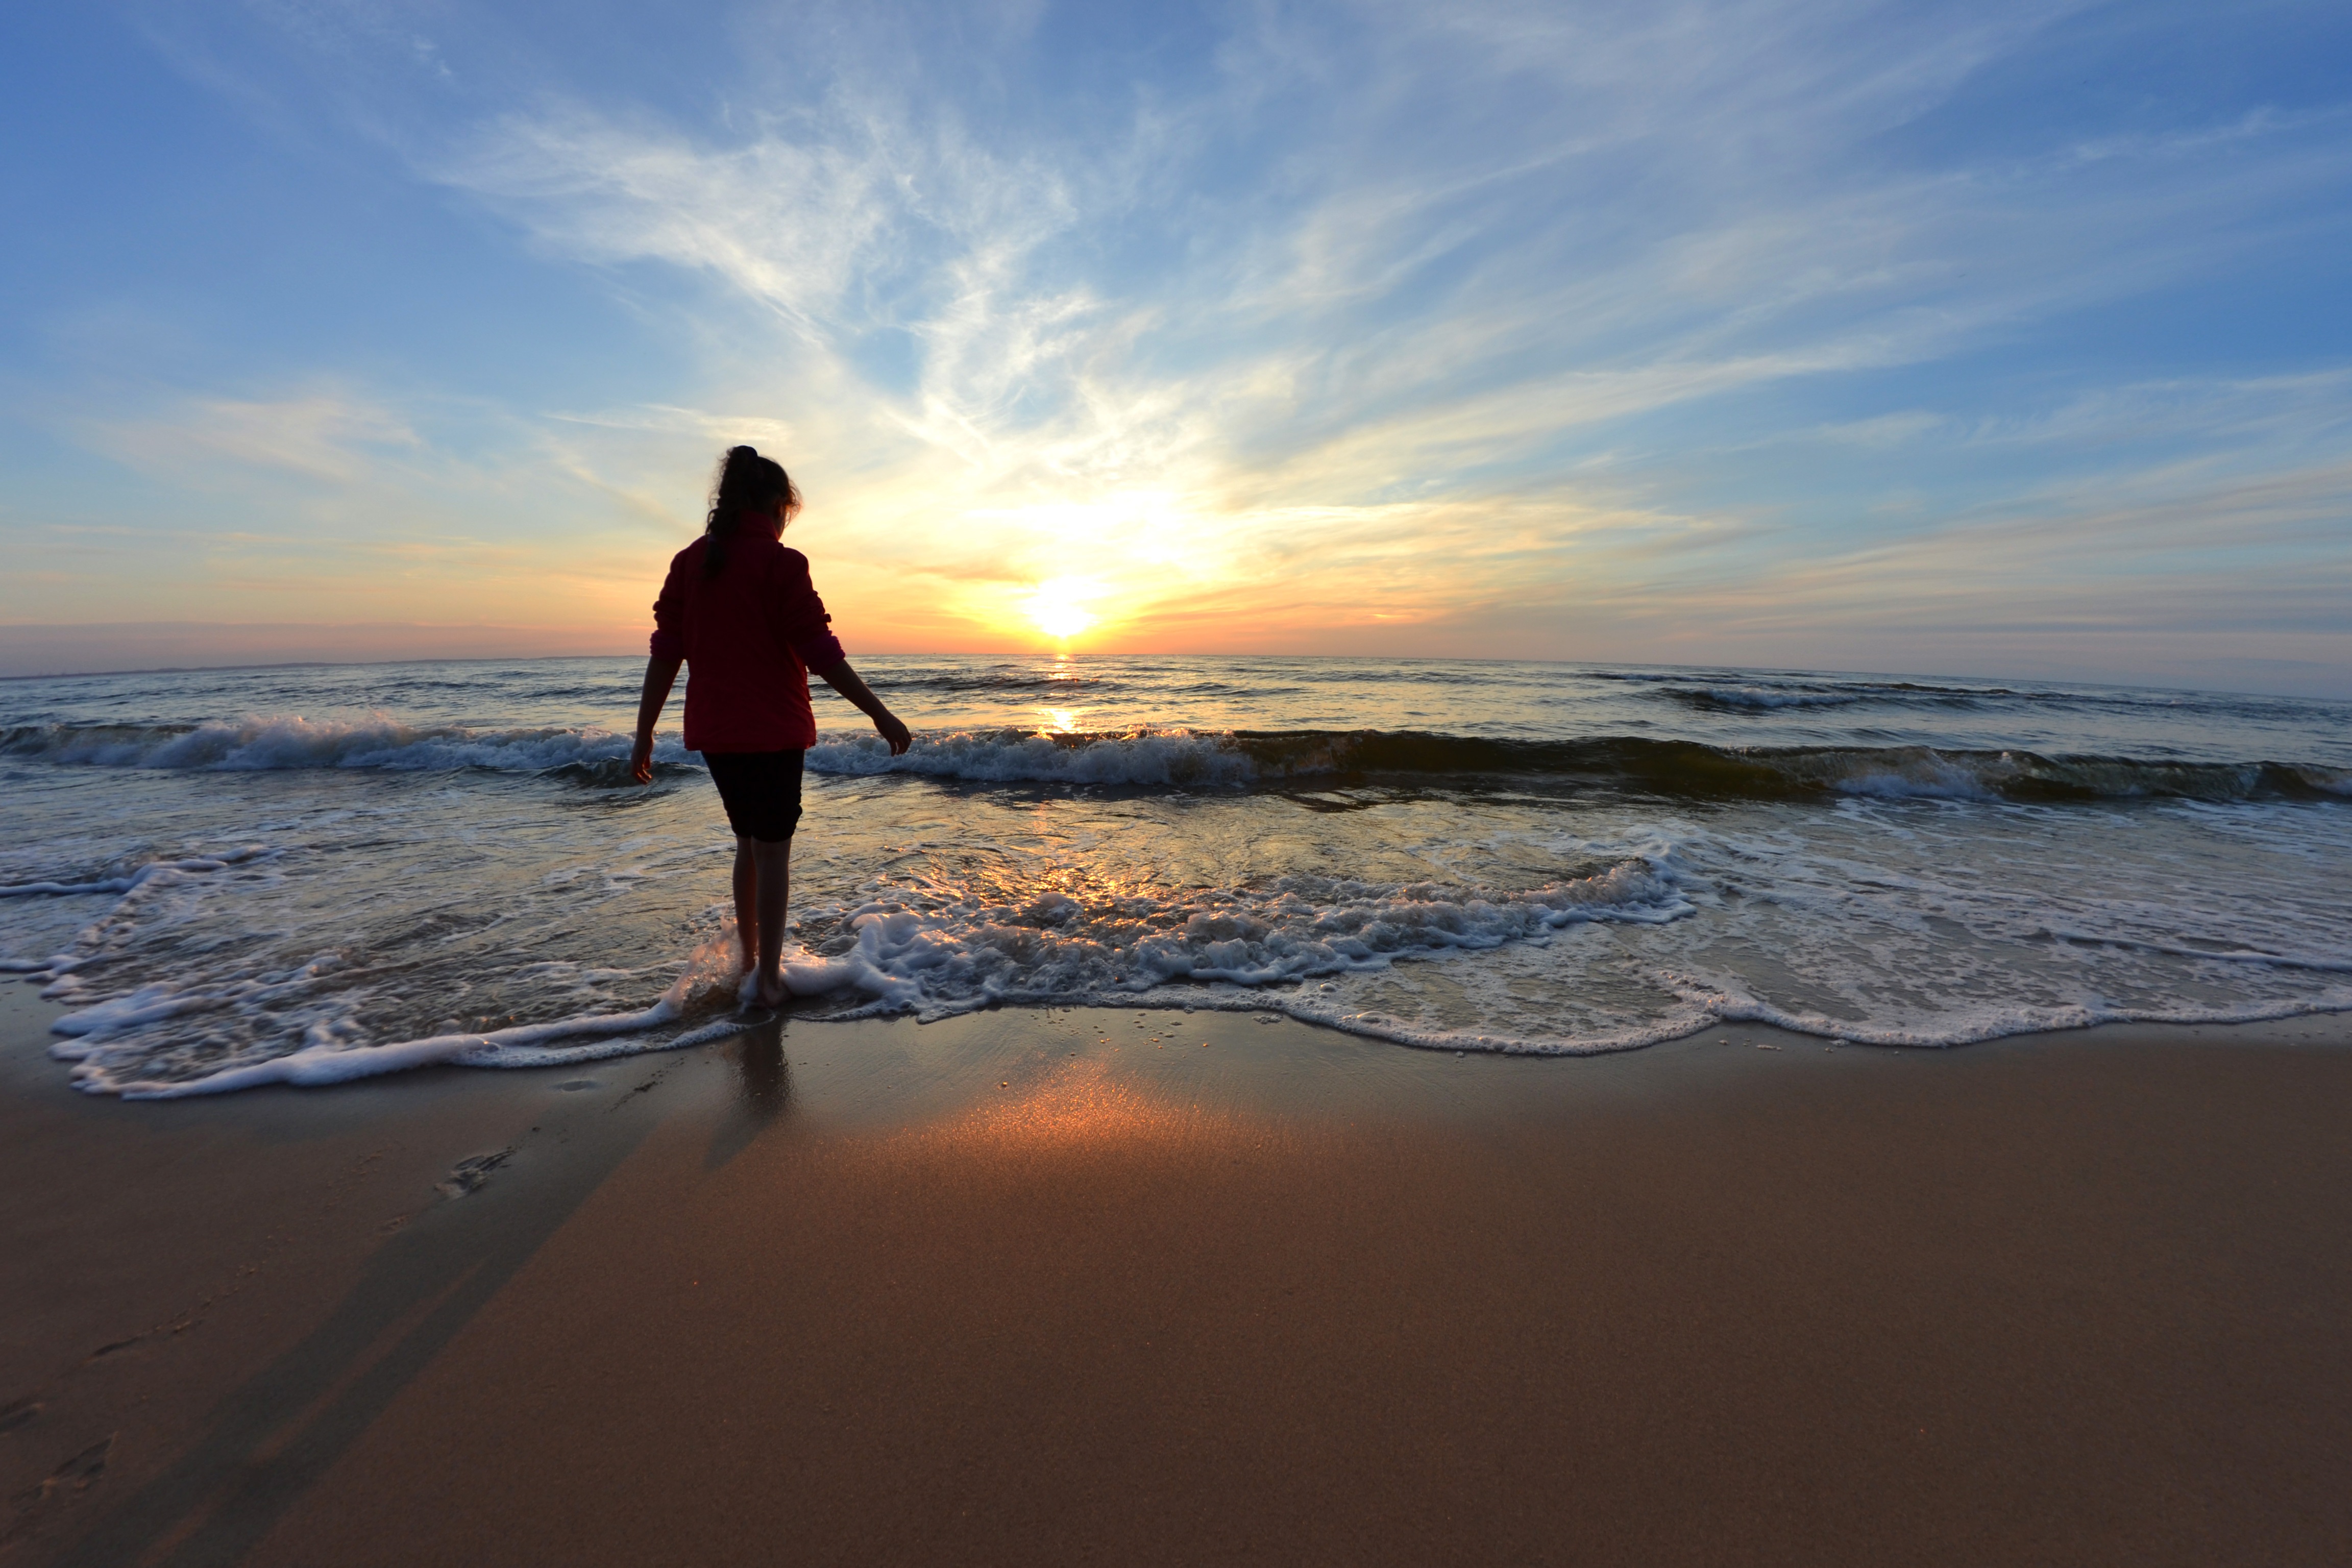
(932, 961)
(131, 889)
(935, 956)
(314, 1066)
(1884, 941)
(153, 869)
(109, 1056)
(1711, 1001)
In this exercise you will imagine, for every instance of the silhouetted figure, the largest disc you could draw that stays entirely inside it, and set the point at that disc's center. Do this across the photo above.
(739, 609)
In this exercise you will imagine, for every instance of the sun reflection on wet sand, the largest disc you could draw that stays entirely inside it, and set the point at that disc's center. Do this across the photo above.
(1084, 1103)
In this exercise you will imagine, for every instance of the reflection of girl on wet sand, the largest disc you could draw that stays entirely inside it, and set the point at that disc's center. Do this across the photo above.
(739, 609)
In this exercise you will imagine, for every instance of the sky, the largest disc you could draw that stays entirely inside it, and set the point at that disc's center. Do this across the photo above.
(2000, 338)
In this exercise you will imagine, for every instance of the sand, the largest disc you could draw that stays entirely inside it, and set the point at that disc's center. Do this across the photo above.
(1054, 1288)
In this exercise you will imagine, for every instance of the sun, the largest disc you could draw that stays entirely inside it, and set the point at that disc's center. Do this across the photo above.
(1056, 609)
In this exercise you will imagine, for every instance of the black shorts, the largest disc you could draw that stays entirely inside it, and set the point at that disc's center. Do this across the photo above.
(762, 792)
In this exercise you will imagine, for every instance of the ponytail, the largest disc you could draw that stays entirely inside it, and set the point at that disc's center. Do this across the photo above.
(747, 482)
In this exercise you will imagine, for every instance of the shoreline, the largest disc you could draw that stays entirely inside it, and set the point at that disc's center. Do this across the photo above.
(1030, 1285)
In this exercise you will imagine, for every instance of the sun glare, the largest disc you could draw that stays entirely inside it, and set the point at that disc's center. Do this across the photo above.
(1054, 607)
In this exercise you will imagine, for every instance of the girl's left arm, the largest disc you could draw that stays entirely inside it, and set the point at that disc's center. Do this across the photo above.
(844, 680)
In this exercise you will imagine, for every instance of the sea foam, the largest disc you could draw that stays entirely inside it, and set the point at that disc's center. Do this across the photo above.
(149, 871)
(110, 1047)
(936, 956)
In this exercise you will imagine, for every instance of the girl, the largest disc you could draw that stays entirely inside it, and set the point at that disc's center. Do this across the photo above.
(740, 608)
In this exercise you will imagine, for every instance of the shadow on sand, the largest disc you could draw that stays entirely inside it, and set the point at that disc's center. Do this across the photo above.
(278, 1434)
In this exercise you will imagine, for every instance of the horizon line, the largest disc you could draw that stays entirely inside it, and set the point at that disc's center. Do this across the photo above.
(1590, 664)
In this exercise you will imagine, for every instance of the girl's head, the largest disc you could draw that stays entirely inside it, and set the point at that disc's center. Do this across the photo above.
(747, 482)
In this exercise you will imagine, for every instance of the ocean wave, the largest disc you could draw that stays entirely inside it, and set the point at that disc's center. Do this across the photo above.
(986, 681)
(1750, 697)
(269, 743)
(1244, 758)
(1690, 769)
(1756, 698)
(1167, 759)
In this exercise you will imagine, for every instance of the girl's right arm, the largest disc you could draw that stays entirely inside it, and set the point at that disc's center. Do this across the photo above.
(660, 674)
(668, 652)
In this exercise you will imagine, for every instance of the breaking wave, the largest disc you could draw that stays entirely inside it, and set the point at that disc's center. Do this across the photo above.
(1186, 759)
(265, 743)
(1756, 698)
(1672, 769)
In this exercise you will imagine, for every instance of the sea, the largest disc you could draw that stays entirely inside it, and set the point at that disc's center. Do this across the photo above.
(319, 874)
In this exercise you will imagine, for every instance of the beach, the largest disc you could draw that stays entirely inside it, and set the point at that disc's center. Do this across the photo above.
(1095, 1285)
(1310, 784)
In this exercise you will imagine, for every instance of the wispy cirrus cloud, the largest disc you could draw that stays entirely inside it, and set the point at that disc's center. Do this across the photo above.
(322, 434)
(1674, 214)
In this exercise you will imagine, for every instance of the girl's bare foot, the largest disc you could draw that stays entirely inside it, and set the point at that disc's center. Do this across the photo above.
(772, 991)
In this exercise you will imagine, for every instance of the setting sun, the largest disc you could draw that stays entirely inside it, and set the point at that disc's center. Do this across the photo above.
(1055, 610)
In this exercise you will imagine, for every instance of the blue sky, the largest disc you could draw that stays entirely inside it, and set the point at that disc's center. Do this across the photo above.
(2001, 339)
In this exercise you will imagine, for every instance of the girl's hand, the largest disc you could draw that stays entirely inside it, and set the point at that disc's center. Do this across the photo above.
(641, 760)
(885, 723)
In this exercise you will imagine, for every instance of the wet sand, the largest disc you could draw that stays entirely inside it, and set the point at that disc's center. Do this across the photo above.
(1033, 1289)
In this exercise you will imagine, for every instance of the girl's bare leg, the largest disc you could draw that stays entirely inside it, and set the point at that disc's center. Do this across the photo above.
(747, 907)
(772, 873)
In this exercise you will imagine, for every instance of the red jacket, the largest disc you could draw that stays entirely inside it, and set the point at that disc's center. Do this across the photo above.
(748, 637)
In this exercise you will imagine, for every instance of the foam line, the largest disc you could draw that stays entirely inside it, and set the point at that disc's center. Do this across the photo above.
(1706, 1008)
(191, 865)
(316, 1066)
(937, 963)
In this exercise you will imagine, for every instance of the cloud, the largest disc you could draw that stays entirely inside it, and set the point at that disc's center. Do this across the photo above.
(2162, 548)
(1676, 215)
(321, 436)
